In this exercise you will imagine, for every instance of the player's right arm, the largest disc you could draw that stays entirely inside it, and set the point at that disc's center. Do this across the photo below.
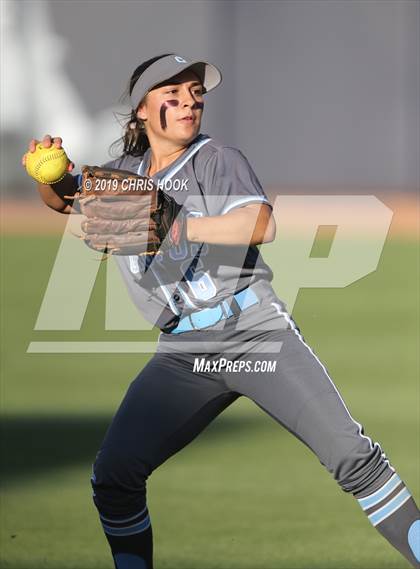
(53, 194)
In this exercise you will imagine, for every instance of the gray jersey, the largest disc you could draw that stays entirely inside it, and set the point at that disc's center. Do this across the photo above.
(208, 179)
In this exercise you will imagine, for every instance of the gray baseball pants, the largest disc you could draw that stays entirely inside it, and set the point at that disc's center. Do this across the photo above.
(170, 403)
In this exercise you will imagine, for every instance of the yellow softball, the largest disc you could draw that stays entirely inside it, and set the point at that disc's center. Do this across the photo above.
(47, 165)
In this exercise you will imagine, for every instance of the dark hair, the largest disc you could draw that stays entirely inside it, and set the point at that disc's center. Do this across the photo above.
(134, 140)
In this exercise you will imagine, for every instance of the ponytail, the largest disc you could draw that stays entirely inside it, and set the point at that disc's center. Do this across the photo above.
(134, 139)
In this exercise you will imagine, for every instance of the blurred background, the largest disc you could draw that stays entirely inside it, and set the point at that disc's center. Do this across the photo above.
(322, 96)
(319, 94)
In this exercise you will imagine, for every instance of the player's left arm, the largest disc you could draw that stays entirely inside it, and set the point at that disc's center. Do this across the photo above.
(249, 225)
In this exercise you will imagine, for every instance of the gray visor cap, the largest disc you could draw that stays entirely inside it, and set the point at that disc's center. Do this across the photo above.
(169, 66)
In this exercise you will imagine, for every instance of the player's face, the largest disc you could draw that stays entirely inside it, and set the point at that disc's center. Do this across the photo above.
(173, 110)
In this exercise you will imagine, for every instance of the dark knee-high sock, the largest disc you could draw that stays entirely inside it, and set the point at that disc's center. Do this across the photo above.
(392, 510)
(130, 539)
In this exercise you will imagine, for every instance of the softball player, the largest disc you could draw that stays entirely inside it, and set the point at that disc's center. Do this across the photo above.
(224, 332)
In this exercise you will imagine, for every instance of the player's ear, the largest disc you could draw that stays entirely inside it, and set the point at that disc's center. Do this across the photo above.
(142, 111)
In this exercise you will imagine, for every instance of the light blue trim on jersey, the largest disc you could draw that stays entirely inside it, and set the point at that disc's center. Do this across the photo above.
(203, 139)
(172, 171)
(379, 495)
(189, 154)
(129, 561)
(393, 505)
(242, 201)
(414, 539)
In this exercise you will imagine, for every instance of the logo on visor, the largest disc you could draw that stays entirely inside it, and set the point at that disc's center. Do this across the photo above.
(180, 59)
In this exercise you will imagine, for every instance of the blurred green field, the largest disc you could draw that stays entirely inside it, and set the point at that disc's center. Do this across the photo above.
(245, 494)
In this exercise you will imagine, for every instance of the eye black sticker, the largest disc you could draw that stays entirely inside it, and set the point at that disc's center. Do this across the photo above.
(163, 109)
(174, 103)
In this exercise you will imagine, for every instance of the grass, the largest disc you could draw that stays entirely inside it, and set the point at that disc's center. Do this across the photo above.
(245, 494)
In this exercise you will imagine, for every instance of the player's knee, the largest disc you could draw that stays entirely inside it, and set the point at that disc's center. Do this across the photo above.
(364, 466)
(119, 482)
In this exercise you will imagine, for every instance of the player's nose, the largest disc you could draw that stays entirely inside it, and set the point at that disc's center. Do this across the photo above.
(187, 98)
